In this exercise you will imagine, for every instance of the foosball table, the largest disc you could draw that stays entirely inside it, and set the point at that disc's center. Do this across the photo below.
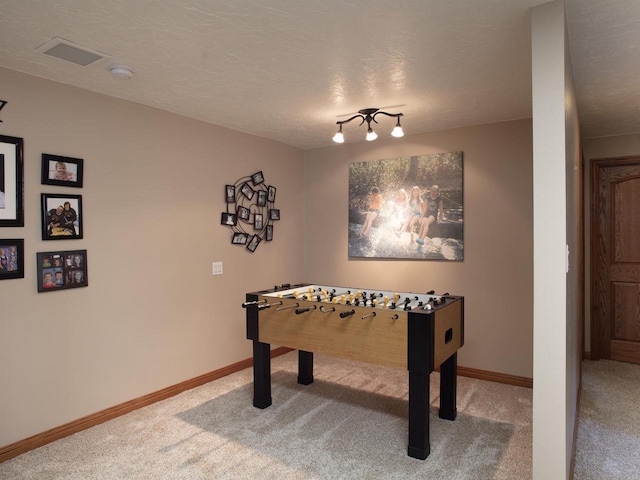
(419, 332)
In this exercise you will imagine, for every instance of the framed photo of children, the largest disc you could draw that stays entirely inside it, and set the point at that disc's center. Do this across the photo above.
(11, 182)
(11, 258)
(62, 270)
(61, 217)
(63, 171)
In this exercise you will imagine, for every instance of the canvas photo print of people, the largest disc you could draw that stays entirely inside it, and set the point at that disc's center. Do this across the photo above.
(62, 270)
(407, 208)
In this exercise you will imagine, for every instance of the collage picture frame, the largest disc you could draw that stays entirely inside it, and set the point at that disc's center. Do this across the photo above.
(11, 258)
(62, 270)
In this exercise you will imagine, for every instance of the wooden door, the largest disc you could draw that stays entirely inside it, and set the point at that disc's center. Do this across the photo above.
(615, 260)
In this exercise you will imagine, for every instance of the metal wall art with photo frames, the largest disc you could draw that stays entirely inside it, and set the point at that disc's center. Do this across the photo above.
(250, 211)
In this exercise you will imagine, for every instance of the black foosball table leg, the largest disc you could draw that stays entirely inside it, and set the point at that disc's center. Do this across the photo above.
(448, 388)
(305, 367)
(419, 446)
(261, 374)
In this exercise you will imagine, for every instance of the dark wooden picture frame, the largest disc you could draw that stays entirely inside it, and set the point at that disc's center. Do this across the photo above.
(11, 258)
(269, 233)
(230, 194)
(271, 195)
(62, 171)
(11, 181)
(61, 217)
(239, 238)
(247, 191)
(253, 243)
(257, 178)
(258, 222)
(274, 214)
(262, 198)
(62, 270)
(244, 213)
(229, 219)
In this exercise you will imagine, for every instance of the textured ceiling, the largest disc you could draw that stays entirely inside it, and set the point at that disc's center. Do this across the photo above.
(289, 69)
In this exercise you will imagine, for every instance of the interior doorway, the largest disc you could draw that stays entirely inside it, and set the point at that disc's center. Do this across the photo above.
(615, 259)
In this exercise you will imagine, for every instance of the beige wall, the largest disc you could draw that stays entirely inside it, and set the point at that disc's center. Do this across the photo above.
(153, 315)
(496, 276)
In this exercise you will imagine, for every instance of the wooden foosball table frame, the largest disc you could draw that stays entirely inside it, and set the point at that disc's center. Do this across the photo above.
(419, 332)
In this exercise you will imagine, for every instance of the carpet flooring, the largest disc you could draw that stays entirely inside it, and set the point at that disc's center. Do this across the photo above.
(350, 423)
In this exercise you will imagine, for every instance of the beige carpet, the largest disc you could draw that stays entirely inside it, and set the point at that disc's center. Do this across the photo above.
(608, 443)
(351, 423)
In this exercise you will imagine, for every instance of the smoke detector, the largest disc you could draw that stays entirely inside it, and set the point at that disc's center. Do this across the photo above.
(121, 71)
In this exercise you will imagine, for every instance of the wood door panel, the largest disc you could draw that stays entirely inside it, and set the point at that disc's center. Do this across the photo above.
(626, 311)
(625, 351)
(624, 272)
(626, 220)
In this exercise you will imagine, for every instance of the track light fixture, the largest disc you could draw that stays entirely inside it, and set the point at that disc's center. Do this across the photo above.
(369, 115)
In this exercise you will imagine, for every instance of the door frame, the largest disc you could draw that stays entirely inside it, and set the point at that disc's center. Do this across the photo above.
(600, 347)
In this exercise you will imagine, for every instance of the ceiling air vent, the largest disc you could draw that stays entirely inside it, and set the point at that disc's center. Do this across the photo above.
(70, 52)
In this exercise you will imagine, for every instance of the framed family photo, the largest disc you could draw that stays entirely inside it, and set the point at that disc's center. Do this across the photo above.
(62, 171)
(11, 182)
(62, 270)
(61, 217)
(239, 238)
(244, 213)
(257, 178)
(247, 191)
(230, 194)
(253, 243)
(229, 219)
(11, 258)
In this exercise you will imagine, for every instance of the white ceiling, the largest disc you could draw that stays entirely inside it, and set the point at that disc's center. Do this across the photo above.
(289, 69)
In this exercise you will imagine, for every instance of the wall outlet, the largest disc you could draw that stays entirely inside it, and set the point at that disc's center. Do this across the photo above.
(217, 268)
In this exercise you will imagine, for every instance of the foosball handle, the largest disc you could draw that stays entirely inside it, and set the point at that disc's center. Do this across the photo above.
(347, 313)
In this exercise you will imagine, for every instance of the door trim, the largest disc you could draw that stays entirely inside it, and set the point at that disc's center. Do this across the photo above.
(600, 347)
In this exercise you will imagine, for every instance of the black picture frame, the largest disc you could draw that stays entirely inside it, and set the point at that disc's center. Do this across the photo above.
(257, 178)
(62, 171)
(253, 243)
(229, 219)
(59, 221)
(274, 214)
(244, 213)
(62, 270)
(247, 191)
(271, 194)
(11, 181)
(230, 193)
(11, 258)
(239, 238)
(262, 198)
(269, 233)
(258, 222)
